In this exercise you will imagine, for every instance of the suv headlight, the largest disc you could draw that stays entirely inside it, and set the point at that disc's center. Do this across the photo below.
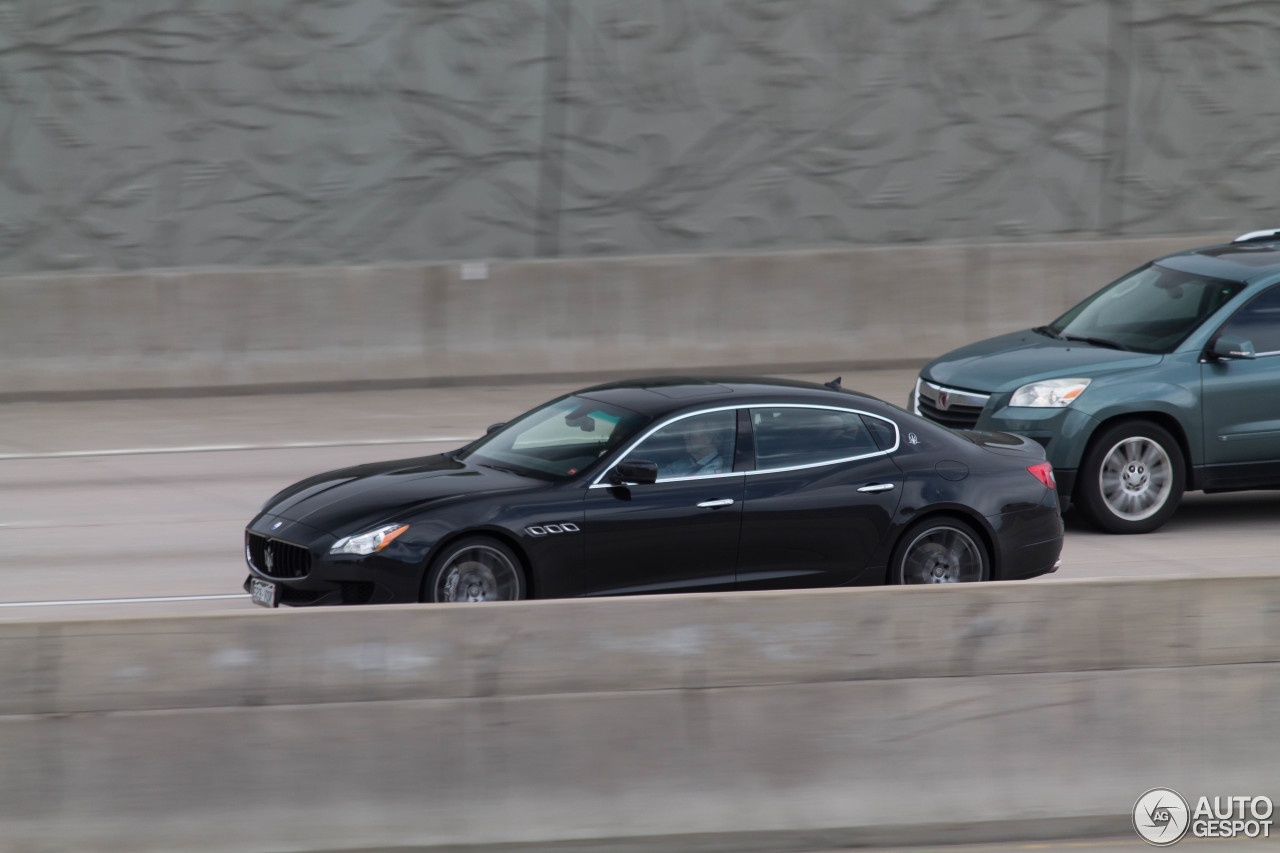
(367, 543)
(1049, 393)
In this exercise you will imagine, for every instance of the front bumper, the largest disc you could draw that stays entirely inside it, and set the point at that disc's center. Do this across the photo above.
(319, 578)
(1064, 433)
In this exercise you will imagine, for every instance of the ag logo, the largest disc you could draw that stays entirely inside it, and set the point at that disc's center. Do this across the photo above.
(1161, 817)
(912, 438)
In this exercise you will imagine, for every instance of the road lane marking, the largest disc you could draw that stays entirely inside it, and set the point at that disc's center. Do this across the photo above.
(222, 448)
(157, 599)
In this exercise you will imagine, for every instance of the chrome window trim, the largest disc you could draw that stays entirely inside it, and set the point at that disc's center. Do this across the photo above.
(897, 435)
(957, 397)
(897, 442)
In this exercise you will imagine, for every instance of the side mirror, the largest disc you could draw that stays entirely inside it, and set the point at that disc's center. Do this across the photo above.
(639, 471)
(495, 427)
(1230, 348)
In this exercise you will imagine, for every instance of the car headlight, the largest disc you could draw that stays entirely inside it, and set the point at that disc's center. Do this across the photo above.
(1049, 393)
(367, 543)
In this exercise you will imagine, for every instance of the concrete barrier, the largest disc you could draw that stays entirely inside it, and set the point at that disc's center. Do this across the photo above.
(260, 329)
(708, 722)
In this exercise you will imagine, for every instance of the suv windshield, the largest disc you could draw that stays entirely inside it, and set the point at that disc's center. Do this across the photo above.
(1152, 309)
(556, 441)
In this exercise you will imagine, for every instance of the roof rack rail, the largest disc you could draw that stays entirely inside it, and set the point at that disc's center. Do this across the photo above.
(1268, 234)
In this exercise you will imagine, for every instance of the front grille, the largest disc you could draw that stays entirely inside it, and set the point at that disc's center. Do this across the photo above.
(962, 408)
(956, 417)
(277, 559)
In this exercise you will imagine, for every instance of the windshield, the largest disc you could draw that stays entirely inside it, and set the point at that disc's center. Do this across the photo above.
(556, 441)
(1152, 309)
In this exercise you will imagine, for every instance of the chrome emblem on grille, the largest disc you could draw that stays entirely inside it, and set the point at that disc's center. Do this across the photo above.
(944, 400)
(270, 560)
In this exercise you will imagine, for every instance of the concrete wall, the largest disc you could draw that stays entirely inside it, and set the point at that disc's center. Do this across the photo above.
(913, 716)
(229, 194)
(252, 133)
(605, 317)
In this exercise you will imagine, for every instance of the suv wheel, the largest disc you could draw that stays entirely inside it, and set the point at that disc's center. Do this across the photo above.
(1132, 478)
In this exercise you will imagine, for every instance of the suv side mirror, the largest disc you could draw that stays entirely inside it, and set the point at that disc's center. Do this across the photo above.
(1230, 348)
(639, 471)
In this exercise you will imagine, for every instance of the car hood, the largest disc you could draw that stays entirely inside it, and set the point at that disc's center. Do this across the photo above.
(1003, 363)
(334, 500)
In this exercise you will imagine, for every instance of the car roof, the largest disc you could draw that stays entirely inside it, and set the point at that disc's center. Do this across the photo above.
(1247, 260)
(659, 395)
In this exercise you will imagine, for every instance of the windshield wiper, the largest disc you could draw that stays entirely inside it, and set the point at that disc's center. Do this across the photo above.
(1047, 332)
(502, 468)
(1098, 342)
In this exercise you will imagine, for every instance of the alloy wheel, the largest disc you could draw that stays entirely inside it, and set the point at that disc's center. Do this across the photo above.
(1136, 478)
(943, 554)
(477, 573)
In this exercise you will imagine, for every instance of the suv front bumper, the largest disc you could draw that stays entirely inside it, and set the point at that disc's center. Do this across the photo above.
(1062, 432)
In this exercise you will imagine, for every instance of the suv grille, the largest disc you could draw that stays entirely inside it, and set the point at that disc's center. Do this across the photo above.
(951, 407)
(276, 559)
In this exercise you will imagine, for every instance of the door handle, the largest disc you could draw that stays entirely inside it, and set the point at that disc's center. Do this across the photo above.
(876, 487)
(716, 504)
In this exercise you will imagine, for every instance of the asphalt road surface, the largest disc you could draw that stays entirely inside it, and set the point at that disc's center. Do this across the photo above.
(137, 507)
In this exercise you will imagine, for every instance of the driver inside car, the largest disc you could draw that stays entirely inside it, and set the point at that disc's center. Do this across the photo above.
(703, 457)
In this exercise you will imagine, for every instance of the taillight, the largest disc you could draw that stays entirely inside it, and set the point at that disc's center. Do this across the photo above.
(1044, 473)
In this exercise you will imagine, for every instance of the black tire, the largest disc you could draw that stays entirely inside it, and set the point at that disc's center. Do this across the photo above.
(940, 550)
(475, 568)
(1131, 478)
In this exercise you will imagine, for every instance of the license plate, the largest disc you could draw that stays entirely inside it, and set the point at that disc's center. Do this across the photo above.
(264, 593)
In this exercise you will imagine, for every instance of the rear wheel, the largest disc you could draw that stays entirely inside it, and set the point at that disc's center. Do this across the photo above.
(1131, 478)
(940, 550)
(477, 568)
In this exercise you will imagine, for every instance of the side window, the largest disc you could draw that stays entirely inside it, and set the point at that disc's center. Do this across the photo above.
(786, 437)
(692, 447)
(1258, 322)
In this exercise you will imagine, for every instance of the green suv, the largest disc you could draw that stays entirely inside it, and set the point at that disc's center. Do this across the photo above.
(1167, 379)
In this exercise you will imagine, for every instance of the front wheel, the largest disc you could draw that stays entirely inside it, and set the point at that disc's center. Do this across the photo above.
(942, 550)
(1131, 478)
(477, 568)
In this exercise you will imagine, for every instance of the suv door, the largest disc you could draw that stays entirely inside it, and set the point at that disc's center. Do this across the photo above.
(1240, 401)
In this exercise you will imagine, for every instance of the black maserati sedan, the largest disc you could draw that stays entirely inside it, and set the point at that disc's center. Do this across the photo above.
(665, 485)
